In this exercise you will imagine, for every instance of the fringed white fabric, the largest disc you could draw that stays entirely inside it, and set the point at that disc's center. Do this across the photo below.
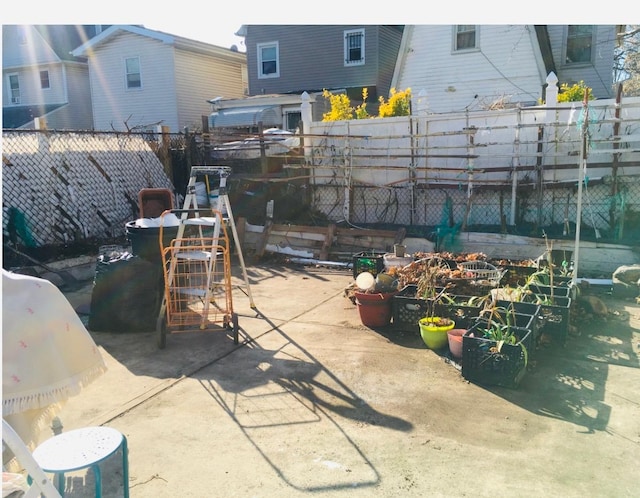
(47, 353)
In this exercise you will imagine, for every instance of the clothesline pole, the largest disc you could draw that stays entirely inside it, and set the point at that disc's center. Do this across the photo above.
(581, 177)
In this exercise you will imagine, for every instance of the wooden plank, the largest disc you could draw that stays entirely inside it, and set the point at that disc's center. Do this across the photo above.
(328, 242)
(400, 235)
(262, 242)
(297, 234)
(299, 228)
(343, 232)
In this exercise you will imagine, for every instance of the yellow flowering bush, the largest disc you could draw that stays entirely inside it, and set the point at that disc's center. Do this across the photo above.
(399, 104)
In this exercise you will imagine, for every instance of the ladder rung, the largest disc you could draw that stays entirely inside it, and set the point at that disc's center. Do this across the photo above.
(201, 221)
(210, 170)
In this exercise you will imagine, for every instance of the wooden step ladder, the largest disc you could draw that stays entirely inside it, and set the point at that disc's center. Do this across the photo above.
(190, 215)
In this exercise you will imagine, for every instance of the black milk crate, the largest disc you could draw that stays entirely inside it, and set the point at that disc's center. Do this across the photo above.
(482, 364)
(372, 261)
(556, 314)
(562, 287)
(526, 309)
(559, 280)
(516, 275)
(407, 309)
(461, 310)
(548, 290)
(522, 321)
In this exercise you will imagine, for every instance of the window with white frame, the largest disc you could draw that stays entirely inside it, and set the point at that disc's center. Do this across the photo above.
(14, 88)
(44, 79)
(579, 44)
(268, 60)
(354, 47)
(132, 72)
(465, 37)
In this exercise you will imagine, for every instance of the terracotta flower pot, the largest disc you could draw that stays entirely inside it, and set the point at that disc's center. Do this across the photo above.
(374, 309)
(455, 341)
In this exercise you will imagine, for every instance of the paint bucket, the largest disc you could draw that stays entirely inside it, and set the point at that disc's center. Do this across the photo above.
(214, 196)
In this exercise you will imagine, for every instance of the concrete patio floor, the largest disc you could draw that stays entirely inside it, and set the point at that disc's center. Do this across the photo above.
(311, 402)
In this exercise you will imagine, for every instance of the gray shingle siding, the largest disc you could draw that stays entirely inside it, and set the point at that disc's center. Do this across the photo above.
(388, 47)
(311, 58)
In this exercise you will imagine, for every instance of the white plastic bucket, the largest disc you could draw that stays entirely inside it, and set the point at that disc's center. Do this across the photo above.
(201, 194)
(393, 261)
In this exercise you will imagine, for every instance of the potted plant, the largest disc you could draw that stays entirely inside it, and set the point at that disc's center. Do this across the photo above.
(496, 349)
(433, 328)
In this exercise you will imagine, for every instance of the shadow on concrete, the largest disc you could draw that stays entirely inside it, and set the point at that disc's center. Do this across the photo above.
(568, 382)
(285, 387)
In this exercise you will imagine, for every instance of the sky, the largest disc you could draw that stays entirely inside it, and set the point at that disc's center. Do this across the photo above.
(209, 23)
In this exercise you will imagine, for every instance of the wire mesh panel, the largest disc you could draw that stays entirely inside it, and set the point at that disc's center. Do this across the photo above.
(198, 284)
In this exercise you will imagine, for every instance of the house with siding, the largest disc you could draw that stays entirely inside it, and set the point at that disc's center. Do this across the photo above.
(41, 79)
(142, 78)
(472, 67)
(283, 61)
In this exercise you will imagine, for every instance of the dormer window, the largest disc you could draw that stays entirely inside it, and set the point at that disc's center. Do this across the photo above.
(579, 44)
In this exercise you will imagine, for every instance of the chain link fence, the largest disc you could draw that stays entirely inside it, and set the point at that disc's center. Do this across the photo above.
(61, 188)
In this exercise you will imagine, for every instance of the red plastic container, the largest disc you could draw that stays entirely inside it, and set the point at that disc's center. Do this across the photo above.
(154, 201)
(374, 309)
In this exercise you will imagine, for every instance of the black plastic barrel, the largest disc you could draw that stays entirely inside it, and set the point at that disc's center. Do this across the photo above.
(145, 241)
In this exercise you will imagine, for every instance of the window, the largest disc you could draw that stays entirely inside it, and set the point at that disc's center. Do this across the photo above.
(14, 88)
(354, 47)
(44, 79)
(579, 43)
(132, 68)
(268, 63)
(465, 37)
(293, 119)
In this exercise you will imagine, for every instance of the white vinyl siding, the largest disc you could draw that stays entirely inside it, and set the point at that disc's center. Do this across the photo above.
(113, 104)
(354, 47)
(268, 60)
(473, 79)
(177, 84)
(199, 78)
(30, 91)
(596, 73)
